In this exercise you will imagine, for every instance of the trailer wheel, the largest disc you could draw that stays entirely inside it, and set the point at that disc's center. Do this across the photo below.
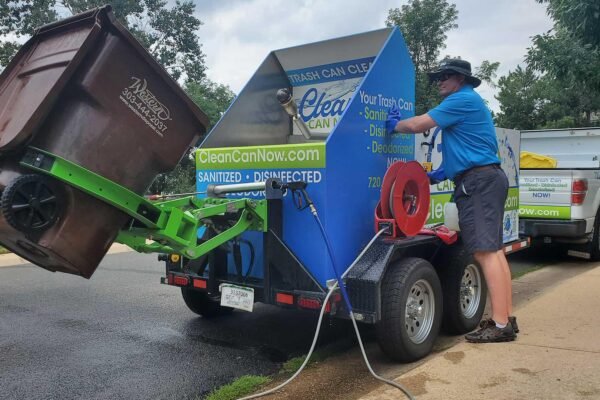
(202, 304)
(411, 310)
(464, 290)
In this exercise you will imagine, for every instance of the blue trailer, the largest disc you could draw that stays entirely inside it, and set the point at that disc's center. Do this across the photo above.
(295, 179)
(315, 114)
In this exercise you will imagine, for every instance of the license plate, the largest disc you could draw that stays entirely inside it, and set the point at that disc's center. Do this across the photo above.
(239, 297)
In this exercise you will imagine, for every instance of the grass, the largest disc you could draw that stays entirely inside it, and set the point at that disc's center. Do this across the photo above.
(249, 384)
(242, 386)
(292, 365)
(518, 274)
(4, 251)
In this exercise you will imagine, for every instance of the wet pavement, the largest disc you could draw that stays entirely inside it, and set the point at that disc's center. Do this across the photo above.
(122, 335)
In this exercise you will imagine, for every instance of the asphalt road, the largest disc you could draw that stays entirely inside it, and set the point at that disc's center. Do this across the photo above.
(122, 335)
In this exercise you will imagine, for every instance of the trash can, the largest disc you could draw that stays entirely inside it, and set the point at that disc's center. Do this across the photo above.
(84, 89)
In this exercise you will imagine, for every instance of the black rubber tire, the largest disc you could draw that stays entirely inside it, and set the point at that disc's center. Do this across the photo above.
(461, 315)
(392, 330)
(31, 203)
(202, 304)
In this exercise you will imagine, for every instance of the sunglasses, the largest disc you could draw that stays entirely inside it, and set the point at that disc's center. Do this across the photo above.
(444, 77)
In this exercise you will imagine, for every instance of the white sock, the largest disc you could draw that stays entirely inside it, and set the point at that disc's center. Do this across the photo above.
(500, 326)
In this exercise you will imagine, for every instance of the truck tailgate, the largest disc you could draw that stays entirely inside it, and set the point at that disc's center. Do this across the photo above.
(545, 194)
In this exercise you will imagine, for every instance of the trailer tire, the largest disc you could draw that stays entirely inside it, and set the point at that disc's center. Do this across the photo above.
(464, 290)
(202, 304)
(411, 310)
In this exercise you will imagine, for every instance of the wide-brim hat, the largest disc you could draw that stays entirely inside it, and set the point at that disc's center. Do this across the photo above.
(455, 65)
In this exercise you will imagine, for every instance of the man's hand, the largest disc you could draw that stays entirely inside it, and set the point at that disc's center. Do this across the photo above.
(393, 118)
(436, 176)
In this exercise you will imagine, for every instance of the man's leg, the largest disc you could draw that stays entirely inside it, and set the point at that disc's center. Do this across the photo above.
(508, 280)
(495, 277)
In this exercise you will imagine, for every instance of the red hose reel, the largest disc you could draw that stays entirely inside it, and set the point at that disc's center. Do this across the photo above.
(404, 203)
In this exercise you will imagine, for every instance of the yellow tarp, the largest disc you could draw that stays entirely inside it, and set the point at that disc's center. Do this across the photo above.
(534, 160)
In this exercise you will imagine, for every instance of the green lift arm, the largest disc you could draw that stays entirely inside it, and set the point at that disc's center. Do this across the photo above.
(163, 226)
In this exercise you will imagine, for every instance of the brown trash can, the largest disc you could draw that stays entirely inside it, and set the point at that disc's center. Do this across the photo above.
(84, 89)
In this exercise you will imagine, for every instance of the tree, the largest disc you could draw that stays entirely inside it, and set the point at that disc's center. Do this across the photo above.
(574, 68)
(532, 100)
(20, 18)
(213, 99)
(487, 72)
(169, 34)
(581, 18)
(565, 57)
(424, 24)
(561, 86)
(521, 100)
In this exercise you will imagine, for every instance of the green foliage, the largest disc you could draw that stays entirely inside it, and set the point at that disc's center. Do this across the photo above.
(182, 179)
(7, 52)
(562, 56)
(487, 72)
(243, 386)
(560, 87)
(169, 33)
(530, 101)
(519, 100)
(580, 17)
(22, 17)
(424, 24)
(213, 99)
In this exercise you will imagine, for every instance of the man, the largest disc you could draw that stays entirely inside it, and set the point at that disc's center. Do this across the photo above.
(469, 150)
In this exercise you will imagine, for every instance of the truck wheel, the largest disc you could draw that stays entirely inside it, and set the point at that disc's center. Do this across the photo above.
(464, 291)
(202, 304)
(411, 310)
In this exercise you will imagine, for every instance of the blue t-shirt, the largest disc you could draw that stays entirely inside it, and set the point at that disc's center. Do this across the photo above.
(469, 133)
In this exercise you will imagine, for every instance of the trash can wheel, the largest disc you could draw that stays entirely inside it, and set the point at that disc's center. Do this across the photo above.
(30, 203)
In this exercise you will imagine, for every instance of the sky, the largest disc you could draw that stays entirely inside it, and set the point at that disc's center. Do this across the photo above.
(237, 35)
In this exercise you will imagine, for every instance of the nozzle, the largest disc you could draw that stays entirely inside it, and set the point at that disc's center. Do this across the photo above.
(284, 96)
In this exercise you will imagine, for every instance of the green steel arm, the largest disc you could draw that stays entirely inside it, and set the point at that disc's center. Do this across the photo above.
(170, 226)
(93, 184)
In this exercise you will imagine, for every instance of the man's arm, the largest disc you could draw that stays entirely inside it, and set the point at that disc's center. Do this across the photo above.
(417, 124)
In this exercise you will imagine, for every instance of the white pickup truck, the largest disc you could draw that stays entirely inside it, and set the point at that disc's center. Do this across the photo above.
(560, 204)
